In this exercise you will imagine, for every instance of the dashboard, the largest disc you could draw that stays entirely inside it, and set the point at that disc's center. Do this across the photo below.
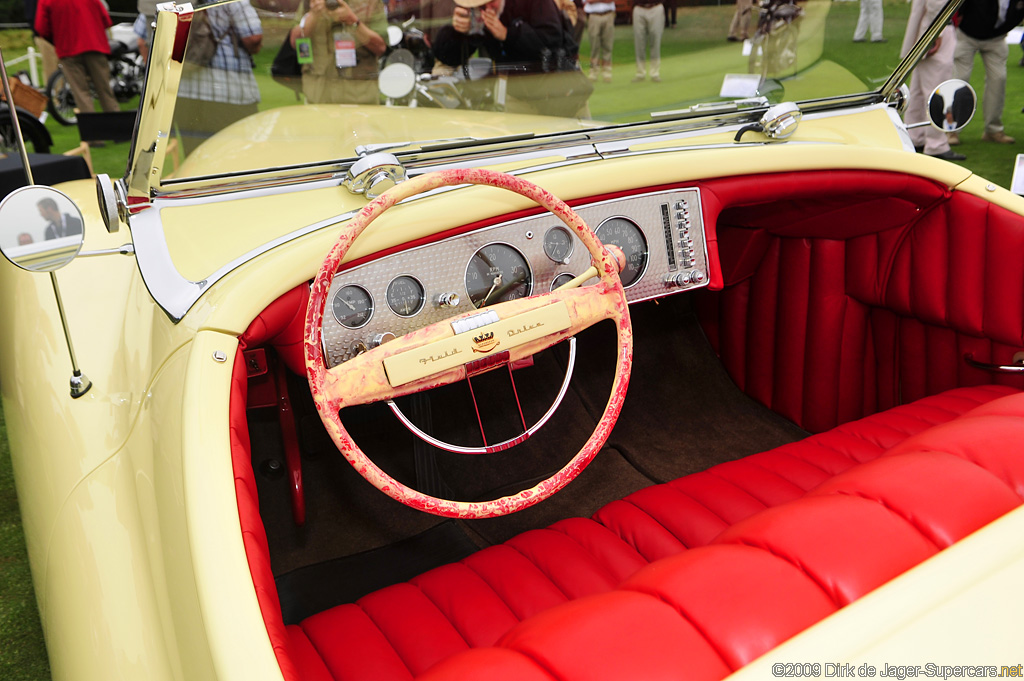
(661, 234)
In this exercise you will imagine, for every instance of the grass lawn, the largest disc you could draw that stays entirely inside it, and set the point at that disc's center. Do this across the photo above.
(22, 652)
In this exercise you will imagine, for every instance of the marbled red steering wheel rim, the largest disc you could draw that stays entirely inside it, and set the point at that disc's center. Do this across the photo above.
(316, 369)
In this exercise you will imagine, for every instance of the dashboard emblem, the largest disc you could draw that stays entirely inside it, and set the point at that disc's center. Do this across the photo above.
(485, 342)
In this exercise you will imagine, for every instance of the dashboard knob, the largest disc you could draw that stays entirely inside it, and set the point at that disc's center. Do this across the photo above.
(680, 279)
(448, 300)
(696, 277)
(381, 339)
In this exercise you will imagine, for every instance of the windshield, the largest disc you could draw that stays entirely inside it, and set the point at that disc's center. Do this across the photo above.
(288, 82)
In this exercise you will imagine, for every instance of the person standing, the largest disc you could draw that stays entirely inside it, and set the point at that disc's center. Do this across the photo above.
(870, 17)
(935, 67)
(573, 12)
(44, 46)
(601, 29)
(530, 41)
(648, 26)
(980, 28)
(346, 40)
(77, 29)
(213, 96)
(58, 224)
(739, 29)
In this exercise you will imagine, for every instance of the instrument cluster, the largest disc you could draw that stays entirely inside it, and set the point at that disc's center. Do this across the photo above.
(661, 234)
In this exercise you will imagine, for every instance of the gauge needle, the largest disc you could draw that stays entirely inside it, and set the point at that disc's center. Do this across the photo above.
(350, 305)
(496, 284)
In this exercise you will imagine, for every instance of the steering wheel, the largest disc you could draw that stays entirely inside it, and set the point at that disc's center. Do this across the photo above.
(443, 352)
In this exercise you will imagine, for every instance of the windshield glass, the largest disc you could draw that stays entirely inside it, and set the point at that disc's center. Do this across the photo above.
(288, 82)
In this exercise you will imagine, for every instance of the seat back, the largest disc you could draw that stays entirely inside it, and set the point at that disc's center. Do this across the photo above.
(113, 126)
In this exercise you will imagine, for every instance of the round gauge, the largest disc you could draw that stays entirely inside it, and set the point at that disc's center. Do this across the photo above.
(625, 234)
(405, 296)
(496, 273)
(352, 306)
(561, 280)
(557, 244)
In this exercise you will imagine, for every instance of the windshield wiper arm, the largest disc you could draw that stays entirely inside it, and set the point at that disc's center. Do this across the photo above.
(715, 107)
(442, 144)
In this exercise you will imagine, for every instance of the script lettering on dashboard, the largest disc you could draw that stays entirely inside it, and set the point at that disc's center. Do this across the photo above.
(523, 329)
(437, 358)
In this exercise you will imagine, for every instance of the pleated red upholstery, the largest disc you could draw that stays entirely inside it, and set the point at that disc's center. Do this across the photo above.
(706, 612)
(403, 631)
(842, 299)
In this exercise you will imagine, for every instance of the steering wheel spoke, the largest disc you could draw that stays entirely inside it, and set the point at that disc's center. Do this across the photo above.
(444, 352)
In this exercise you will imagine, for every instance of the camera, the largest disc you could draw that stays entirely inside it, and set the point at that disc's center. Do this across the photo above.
(476, 21)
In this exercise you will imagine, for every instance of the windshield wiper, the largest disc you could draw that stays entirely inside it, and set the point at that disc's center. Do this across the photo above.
(442, 144)
(714, 107)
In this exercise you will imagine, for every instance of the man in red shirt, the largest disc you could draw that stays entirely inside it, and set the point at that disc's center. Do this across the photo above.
(77, 29)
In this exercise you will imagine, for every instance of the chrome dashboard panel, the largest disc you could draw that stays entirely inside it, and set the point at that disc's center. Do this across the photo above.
(671, 222)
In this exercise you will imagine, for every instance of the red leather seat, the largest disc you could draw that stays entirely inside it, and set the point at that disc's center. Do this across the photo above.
(523, 590)
(705, 613)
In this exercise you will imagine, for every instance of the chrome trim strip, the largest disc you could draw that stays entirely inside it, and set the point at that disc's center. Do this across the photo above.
(1016, 368)
(174, 293)
(501, 446)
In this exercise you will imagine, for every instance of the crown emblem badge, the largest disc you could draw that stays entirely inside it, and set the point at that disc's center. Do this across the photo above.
(485, 342)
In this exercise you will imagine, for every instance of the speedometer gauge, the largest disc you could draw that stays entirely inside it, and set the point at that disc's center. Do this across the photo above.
(496, 273)
(352, 306)
(625, 234)
(405, 296)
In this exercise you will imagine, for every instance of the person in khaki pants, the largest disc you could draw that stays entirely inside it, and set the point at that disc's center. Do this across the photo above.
(601, 29)
(739, 29)
(44, 46)
(77, 29)
(648, 26)
(981, 27)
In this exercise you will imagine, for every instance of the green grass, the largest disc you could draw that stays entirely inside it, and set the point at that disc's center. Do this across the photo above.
(22, 652)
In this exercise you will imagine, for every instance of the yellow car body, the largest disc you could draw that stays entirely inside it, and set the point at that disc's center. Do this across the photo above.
(127, 494)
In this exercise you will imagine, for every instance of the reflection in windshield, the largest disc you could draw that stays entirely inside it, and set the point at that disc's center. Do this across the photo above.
(462, 67)
(217, 84)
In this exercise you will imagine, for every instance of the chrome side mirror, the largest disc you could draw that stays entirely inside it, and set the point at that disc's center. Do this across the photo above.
(41, 229)
(952, 105)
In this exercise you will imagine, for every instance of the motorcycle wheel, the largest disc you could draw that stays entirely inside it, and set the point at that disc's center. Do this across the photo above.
(59, 100)
(9, 141)
(125, 78)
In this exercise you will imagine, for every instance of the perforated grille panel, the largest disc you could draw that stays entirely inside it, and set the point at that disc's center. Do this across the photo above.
(669, 220)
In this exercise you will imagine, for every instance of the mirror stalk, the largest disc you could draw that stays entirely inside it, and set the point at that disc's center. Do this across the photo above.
(80, 383)
(14, 119)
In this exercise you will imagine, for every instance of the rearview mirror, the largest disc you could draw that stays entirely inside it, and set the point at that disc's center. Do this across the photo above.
(41, 229)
